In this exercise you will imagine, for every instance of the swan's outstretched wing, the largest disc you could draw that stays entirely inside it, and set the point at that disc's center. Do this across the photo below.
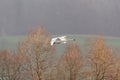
(63, 38)
(52, 41)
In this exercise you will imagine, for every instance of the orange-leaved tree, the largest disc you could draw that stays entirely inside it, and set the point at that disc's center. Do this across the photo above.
(100, 58)
(38, 52)
(71, 61)
(10, 65)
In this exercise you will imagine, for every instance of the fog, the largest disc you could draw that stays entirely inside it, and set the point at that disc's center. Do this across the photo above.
(99, 17)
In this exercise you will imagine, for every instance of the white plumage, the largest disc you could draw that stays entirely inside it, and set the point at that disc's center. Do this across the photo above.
(59, 40)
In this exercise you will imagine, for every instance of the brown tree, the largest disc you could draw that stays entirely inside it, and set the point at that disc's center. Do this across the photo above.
(117, 70)
(38, 52)
(10, 65)
(100, 59)
(114, 73)
(71, 61)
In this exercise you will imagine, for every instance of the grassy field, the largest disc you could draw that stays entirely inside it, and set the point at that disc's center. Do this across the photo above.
(10, 42)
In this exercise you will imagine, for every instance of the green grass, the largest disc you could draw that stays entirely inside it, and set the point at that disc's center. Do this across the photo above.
(10, 42)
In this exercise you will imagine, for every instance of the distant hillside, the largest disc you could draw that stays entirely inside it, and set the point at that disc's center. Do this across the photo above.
(10, 42)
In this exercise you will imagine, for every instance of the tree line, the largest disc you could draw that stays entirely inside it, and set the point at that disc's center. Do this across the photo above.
(35, 60)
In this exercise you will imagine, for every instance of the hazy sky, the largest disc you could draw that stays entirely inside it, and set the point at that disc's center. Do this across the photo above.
(61, 16)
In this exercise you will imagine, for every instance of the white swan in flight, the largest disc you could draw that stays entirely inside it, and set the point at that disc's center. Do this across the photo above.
(59, 40)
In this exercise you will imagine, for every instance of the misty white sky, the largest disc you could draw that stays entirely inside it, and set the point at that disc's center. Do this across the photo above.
(61, 16)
